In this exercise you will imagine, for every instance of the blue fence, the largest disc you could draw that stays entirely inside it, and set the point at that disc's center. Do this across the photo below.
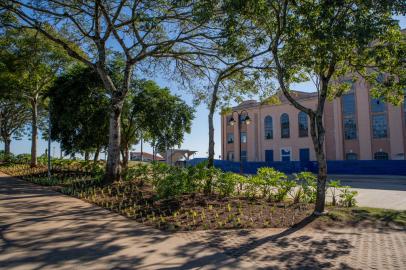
(388, 167)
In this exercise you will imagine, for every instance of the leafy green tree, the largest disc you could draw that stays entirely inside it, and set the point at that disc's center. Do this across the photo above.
(14, 116)
(33, 63)
(325, 41)
(164, 118)
(142, 31)
(78, 103)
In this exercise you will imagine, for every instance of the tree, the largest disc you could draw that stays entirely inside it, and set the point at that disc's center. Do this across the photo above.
(142, 30)
(33, 64)
(78, 105)
(325, 40)
(164, 118)
(13, 118)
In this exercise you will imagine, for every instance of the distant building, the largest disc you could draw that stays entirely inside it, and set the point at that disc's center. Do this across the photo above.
(147, 157)
(357, 127)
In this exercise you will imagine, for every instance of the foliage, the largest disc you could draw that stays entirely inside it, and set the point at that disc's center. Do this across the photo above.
(30, 64)
(78, 105)
(308, 184)
(163, 116)
(334, 186)
(227, 183)
(347, 197)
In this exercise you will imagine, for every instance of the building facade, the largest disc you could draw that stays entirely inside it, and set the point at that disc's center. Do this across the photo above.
(357, 127)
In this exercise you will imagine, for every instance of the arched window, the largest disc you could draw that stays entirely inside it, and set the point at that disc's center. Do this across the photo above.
(268, 127)
(303, 125)
(381, 156)
(285, 132)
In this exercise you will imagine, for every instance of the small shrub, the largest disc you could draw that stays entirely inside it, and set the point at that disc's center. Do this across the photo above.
(283, 188)
(308, 183)
(334, 187)
(227, 182)
(347, 197)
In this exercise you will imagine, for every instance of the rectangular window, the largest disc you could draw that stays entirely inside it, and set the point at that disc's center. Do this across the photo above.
(379, 126)
(230, 137)
(243, 137)
(286, 154)
(348, 101)
(377, 105)
(230, 156)
(350, 128)
(243, 157)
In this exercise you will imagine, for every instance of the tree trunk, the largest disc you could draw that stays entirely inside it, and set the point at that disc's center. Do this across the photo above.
(34, 132)
(7, 144)
(96, 155)
(213, 104)
(113, 168)
(86, 155)
(125, 154)
(317, 133)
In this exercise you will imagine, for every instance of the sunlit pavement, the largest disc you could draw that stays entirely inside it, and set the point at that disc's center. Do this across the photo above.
(381, 191)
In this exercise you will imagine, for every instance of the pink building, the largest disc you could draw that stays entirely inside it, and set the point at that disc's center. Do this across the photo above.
(357, 127)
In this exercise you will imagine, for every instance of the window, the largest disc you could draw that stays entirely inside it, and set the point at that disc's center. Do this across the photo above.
(350, 128)
(285, 132)
(349, 122)
(243, 157)
(381, 156)
(230, 137)
(348, 104)
(377, 105)
(243, 137)
(285, 154)
(268, 127)
(351, 156)
(303, 125)
(230, 156)
(379, 126)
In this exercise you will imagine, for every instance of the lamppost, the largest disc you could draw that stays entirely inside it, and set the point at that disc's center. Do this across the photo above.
(240, 120)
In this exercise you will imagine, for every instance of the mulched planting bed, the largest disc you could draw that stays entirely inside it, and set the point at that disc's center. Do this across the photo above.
(194, 211)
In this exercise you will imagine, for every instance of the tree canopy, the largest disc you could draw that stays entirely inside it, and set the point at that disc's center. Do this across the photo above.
(78, 105)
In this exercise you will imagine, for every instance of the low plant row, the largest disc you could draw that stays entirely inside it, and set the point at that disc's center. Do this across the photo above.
(268, 183)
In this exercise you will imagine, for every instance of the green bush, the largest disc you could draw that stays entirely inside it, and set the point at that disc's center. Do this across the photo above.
(308, 184)
(22, 158)
(347, 197)
(272, 183)
(334, 186)
(173, 184)
(227, 182)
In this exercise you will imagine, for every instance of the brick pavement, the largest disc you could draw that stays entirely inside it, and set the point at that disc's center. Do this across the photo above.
(41, 229)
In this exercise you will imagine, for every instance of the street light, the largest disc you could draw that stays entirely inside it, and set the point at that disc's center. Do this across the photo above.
(247, 121)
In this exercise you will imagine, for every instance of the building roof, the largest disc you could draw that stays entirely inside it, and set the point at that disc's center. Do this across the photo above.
(279, 97)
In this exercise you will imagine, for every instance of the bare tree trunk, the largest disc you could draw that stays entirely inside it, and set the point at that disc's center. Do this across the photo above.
(113, 168)
(96, 155)
(317, 133)
(213, 104)
(34, 132)
(7, 144)
(86, 155)
(125, 155)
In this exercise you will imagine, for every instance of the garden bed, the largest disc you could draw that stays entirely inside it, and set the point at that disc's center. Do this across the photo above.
(173, 199)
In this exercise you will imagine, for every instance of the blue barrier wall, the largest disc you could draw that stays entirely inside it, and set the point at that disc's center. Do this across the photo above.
(388, 167)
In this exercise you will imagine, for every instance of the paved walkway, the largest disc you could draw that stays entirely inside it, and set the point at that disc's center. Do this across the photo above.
(41, 229)
(381, 191)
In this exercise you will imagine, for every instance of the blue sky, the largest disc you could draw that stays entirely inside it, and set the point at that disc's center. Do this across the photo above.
(197, 140)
